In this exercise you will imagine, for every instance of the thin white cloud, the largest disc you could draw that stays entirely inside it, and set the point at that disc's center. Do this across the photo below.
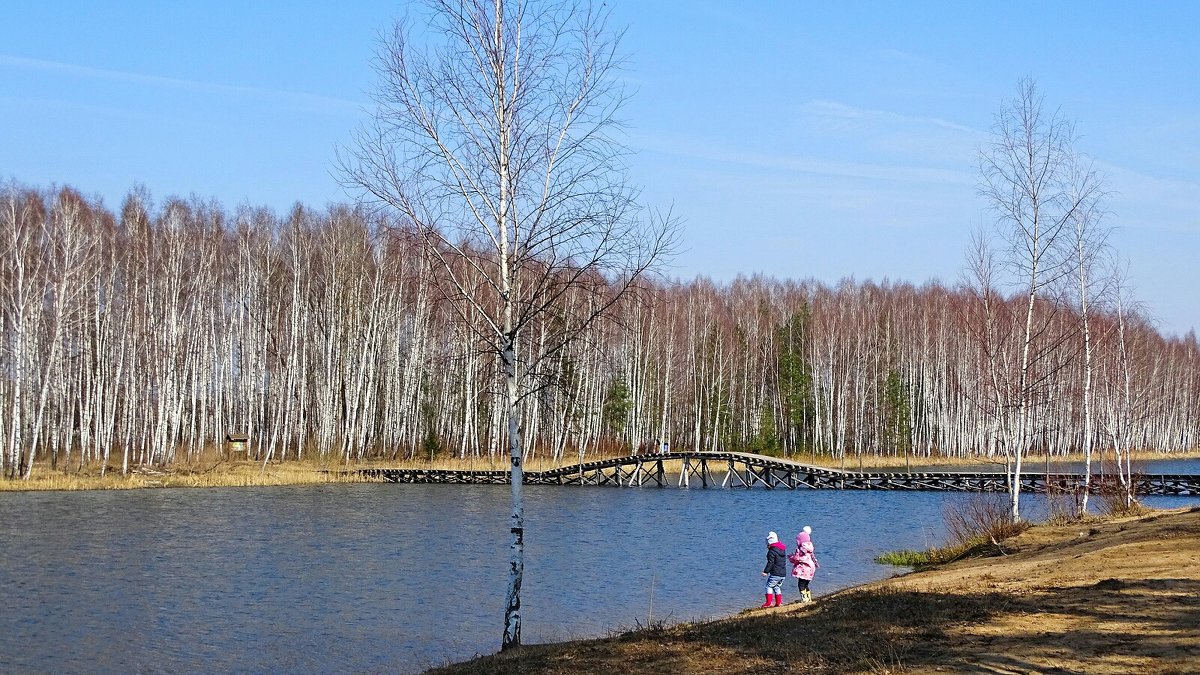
(839, 110)
(708, 151)
(900, 55)
(88, 72)
(1150, 202)
(31, 104)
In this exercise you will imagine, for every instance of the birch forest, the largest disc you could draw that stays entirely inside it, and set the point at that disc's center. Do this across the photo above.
(148, 336)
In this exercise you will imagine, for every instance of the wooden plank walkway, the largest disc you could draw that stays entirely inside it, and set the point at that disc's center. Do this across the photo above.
(743, 470)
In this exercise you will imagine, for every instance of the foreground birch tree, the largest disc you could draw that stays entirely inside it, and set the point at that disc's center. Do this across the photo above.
(494, 144)
(1030, 177)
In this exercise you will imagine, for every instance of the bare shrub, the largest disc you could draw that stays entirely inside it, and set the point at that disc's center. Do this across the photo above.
(1063, 507)
(985, 517)
(1111, 497)
(1112, 502)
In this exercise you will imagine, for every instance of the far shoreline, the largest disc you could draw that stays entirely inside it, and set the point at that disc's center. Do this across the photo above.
(223, 472)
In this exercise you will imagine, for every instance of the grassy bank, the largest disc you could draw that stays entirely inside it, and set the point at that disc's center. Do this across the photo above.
(1111, 597)
(216, 474)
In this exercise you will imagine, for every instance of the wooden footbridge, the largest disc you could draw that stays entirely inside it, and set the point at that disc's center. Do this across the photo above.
(742, 470)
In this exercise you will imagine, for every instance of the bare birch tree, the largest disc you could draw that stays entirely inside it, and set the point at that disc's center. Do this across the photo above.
(1089, 240)
(20, 291)
(1125, 404)
(494, 141)
(1028, 177)
(67, 249)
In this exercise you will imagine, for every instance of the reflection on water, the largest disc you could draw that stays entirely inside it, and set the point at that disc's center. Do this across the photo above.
(396, 578)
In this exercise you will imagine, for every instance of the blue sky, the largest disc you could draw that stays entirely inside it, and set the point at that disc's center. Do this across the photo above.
(796, 139)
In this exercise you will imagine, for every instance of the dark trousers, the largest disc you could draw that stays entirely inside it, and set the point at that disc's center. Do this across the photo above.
(802, 585)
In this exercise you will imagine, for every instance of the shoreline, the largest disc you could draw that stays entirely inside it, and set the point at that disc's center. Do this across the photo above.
(221, 472)
(1109, 596)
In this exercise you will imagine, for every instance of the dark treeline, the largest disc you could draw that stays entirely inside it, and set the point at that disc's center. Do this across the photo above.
(147, 335)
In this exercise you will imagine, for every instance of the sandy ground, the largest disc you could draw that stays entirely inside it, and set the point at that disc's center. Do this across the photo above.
(1119, 597)
(1115, 597)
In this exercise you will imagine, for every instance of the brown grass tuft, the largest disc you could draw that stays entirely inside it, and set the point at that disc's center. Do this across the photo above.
(985, 516)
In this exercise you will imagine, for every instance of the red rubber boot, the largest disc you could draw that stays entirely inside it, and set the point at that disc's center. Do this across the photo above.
(770, 599)
(778, 600)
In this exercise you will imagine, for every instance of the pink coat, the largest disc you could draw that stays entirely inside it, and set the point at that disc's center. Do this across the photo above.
(804, 562)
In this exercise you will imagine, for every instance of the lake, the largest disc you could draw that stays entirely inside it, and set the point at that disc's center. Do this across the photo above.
(398, 578)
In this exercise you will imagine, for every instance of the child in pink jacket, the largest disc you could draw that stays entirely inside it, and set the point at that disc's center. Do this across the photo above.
(804, 563)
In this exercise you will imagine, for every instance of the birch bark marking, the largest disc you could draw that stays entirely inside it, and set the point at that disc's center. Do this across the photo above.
(503, 113)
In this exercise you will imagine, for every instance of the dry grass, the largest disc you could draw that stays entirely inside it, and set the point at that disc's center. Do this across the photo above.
(870, 630)
(213, 470)
(890, 463)
(1116, 597)
(539, 463)
(976, 527)
(496, 463)
(219, 474)
(985, 516)
(1030, 463)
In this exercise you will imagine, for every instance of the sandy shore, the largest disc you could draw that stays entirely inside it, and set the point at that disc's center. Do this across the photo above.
(1121, 596)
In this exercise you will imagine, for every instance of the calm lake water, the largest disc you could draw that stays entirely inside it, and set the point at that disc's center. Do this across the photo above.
(398, 578)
